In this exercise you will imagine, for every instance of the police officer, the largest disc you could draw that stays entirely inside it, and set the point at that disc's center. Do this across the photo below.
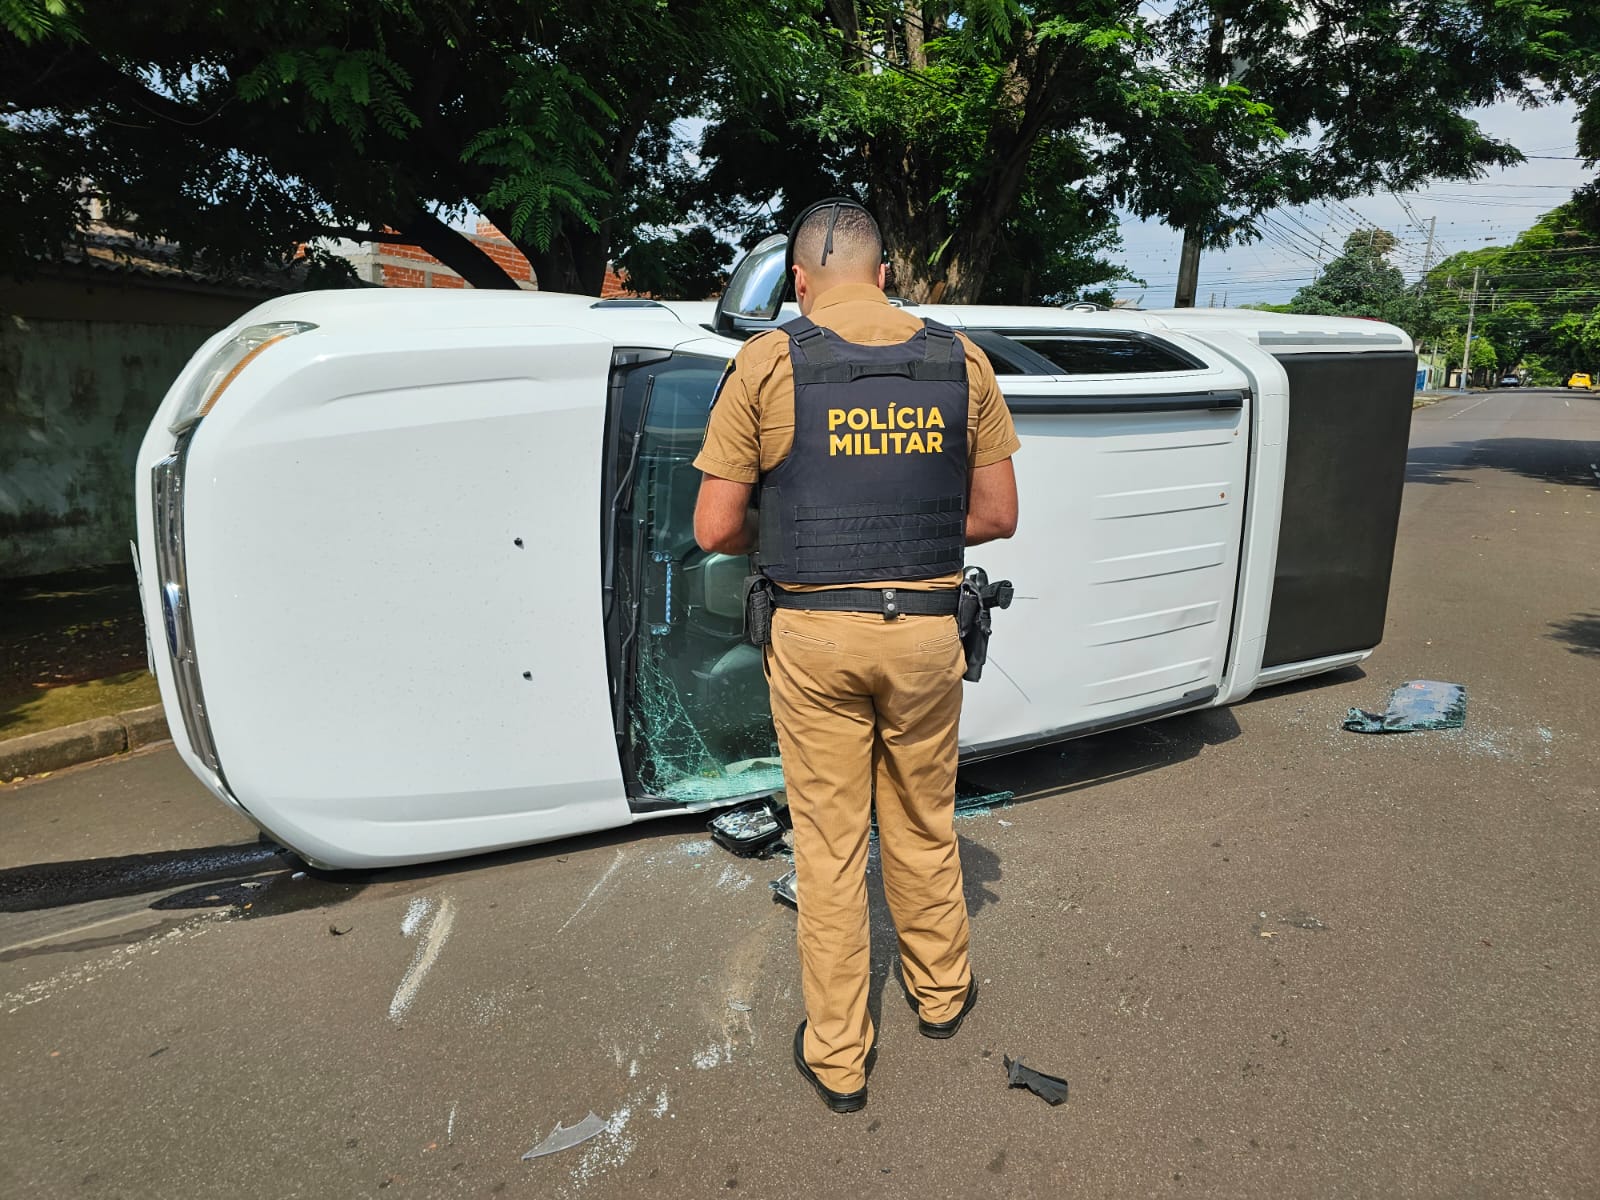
(881, 448)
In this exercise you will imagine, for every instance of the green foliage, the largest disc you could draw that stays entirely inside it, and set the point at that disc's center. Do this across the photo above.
(968, 129)
(1537, 298)
(1332, 101)
(687, 264)
(31, 21)
(995, 139)
(241, 130)
(1361, 282)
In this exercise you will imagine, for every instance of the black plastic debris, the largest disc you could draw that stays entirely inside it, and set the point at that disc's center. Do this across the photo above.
(1415, 705)
(565, 1139)
(1047, 1087)
(785, 889)
(750, 830)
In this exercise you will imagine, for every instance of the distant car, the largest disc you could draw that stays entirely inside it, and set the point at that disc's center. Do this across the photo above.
(1580, 379)
(1510, 381)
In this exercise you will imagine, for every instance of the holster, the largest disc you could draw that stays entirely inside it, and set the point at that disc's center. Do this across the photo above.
(758, 610)
(978, 599)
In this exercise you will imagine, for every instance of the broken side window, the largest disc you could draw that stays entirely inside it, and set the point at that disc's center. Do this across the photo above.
(693, 723)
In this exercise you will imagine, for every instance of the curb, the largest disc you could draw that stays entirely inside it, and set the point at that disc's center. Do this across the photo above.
(83, 742)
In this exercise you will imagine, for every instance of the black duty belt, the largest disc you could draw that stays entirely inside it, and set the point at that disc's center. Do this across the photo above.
(891, 602)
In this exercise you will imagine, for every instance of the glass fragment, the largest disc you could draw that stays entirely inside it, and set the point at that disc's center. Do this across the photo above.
(1417, 704)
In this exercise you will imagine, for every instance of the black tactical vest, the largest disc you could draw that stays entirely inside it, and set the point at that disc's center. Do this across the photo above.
(875, 487)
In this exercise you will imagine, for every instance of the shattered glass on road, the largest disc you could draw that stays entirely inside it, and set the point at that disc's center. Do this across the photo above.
(1417, 704)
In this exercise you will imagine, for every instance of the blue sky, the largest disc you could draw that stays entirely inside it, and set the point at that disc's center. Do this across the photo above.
(1467, 213)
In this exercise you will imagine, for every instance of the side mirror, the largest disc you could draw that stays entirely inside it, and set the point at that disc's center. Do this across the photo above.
(754, 294)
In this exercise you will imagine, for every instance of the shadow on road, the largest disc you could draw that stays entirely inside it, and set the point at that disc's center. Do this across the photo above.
(1580, 632)
(1552, 460)
(1120, 754)
(57, 884)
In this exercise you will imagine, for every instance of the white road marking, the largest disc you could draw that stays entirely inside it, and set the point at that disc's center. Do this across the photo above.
(1467, 409)
(450, 1125)
(416, 913)
(598, 884)
(427, 954)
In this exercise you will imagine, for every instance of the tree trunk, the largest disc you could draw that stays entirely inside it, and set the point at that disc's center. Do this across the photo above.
(553, 270)
(1188, 270)
(916, 35)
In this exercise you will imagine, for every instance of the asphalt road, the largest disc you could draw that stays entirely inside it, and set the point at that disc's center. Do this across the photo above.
(1274, 959)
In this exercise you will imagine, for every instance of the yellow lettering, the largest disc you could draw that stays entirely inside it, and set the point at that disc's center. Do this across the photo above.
(914, 443)
(877, 421)
(936, 441)
(898, 438)
(935, 421)
(838, 443)
(906, 418)
(867, 447)
(857, 438)
(856, 418)
(835, 418)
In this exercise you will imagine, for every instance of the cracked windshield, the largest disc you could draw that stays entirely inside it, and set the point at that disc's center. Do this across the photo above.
(695, 725)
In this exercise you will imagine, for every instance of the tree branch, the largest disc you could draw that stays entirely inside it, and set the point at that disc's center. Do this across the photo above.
(388, 237)
(454, 249)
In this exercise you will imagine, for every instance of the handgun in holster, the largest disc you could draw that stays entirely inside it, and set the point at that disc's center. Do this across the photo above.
(978, 599)
(758, 610)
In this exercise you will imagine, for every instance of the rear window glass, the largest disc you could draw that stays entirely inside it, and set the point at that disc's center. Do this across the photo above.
(1006, 356)
(1101, 354)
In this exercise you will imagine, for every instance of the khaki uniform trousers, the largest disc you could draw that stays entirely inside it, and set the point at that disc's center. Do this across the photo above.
(862, 706)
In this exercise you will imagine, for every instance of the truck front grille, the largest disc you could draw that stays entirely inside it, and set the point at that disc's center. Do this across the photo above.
(167, 479)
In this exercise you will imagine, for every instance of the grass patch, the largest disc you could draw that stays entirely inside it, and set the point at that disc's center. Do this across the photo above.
(44, 708)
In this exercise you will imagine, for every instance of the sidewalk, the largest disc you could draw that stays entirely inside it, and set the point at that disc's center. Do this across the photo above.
(1434, 395)
(74, 682)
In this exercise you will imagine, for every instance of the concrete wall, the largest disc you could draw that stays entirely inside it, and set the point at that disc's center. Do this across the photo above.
(82, 367)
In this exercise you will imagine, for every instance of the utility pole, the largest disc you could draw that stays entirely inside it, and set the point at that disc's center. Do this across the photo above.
(1466, 353)
(1188, 269)
(1422, 284)
(1427, 255)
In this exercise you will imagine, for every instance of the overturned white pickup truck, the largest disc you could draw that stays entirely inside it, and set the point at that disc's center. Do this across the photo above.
(425, 566)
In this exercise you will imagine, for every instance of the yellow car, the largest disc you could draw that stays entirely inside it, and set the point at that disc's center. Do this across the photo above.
(1580, 379)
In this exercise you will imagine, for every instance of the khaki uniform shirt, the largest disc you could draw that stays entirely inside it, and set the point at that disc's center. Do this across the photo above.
(752, 423)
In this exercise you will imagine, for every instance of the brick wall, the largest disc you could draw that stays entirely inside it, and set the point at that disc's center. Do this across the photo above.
(412, 266)
(615, 285)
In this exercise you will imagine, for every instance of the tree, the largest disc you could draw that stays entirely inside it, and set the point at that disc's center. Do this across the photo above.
(967, 129)
(1360, 282)
(1276, 104)
(243, 130)
(1537, 298)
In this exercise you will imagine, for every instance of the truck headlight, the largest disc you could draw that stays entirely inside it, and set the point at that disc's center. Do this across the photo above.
(226, 364)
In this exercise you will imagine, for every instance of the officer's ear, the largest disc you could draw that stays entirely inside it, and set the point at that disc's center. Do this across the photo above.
(883, 276)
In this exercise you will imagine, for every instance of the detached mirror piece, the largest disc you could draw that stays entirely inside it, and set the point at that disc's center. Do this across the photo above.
(750, 830)
(786, 889)
(754, 294)
(1415, 704)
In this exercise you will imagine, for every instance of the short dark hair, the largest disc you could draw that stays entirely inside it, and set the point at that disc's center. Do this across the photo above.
(856, 240)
